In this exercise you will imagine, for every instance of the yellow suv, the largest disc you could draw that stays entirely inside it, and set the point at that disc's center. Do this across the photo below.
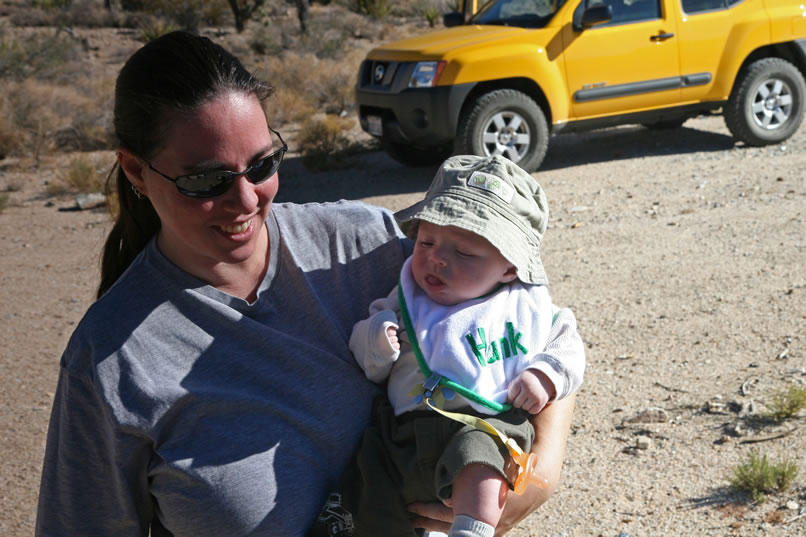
(518, 71)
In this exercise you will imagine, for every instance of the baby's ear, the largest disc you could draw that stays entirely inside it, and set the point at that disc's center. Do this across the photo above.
(510, 274)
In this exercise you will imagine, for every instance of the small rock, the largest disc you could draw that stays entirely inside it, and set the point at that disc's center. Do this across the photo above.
(90, 201)
(649, 415)
(716, 407)
(792, 505)
(643, 442)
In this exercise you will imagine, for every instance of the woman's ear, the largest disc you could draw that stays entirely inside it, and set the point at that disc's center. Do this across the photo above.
(133, 167)
(510, 274)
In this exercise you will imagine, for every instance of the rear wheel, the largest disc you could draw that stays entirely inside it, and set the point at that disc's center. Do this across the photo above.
(766, 104)
(505, 122)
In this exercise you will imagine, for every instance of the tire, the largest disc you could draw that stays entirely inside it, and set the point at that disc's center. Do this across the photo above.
(417, 157)
(666, 124)
(766, 104)
(505, 122)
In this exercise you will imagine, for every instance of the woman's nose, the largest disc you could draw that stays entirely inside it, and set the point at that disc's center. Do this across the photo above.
(241, 194)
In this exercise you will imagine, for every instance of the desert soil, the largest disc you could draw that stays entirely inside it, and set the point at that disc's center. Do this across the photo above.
(682, 253)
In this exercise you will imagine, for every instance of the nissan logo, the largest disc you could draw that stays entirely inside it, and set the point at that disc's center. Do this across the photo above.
(379, 72)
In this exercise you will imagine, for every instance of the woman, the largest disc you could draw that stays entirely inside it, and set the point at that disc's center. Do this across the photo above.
(210, 390)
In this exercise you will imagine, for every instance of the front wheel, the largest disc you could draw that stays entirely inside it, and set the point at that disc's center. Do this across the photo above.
(766, 104)
(505, 122)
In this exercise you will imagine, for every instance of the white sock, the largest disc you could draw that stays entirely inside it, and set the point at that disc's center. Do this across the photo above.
(465, 526)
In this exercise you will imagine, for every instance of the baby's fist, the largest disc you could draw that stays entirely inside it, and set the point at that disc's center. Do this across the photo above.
(531, 391)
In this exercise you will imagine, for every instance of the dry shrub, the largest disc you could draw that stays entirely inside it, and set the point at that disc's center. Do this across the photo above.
(42, 54)
(11, 139)
(81, 175)
(82, 13)
(324, 143)
(328, 84)
(153, 27)
(288, 106)
(56, 117)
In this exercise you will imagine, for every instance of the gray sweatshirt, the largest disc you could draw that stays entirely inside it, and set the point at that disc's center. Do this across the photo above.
(184, 411)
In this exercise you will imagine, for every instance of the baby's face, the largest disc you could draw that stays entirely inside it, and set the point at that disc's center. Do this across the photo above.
(453, 265)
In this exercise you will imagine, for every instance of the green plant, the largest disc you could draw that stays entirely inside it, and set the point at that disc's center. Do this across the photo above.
(786, 404)
(374, 8)
(430, 11)
(759, 477)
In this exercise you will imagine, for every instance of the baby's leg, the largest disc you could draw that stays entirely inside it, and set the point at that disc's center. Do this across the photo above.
(478, 497)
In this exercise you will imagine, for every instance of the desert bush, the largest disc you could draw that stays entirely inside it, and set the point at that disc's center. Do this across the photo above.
(81, 175)
(759, 477)
(43, 55)
(328, 83)
(374, 8)
(786, 404)
(11, 139)
(288, 105)
(3, 201)
(324, 143)
(190, 14)
(430, 11)
(49, 117)
(154, 27)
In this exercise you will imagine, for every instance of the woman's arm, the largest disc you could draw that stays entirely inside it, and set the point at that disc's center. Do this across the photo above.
(552, 426)
(92, 483)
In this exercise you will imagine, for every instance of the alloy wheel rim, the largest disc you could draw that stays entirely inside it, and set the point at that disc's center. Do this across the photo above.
(772, 104)
(507, 133)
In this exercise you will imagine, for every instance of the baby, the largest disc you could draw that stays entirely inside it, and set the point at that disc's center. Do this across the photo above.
(478, 322)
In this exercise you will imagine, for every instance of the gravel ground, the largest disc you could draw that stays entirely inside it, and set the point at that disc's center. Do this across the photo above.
(681, 253)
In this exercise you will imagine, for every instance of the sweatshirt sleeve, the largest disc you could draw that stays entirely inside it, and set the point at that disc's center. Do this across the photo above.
(563, 360)
(94, 476)
(369, 343)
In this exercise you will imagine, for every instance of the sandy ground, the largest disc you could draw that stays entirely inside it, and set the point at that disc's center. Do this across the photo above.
(682, 254)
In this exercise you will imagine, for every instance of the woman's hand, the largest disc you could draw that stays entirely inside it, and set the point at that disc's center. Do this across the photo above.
(433, 516)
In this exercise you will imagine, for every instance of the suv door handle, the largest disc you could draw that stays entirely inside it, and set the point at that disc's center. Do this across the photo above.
(661, 36)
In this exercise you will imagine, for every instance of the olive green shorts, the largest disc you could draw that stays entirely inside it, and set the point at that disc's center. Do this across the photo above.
(415, 457)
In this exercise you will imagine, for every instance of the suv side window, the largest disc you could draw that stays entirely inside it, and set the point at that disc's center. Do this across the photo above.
(633, 10)
(698, 6)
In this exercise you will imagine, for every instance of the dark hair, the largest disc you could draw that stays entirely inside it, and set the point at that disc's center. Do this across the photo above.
(173, 74)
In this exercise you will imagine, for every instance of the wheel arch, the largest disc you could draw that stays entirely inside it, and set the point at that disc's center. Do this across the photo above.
(524, 85)
(792, 51)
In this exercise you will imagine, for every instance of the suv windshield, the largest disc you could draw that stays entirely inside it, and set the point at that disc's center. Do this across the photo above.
(524, 13)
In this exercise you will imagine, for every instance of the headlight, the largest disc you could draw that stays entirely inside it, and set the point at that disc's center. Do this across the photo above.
(426, 74)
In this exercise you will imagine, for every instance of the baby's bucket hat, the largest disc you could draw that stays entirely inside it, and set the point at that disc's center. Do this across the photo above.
(492, 197)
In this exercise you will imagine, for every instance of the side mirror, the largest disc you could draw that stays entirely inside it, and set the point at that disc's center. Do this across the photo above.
(454, 18)
(587, 17)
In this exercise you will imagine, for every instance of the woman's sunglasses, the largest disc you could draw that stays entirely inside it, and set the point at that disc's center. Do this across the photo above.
(216, 182)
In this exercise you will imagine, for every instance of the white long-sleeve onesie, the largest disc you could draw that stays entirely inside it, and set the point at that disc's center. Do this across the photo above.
(483, 344)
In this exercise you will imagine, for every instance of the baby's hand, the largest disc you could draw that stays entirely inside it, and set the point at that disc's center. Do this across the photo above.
(531, 391)
(391, 334)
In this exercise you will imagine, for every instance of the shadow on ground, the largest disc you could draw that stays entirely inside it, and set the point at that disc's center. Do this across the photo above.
(374, 173)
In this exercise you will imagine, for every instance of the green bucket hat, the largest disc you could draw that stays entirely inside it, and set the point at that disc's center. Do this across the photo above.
(492, 197)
